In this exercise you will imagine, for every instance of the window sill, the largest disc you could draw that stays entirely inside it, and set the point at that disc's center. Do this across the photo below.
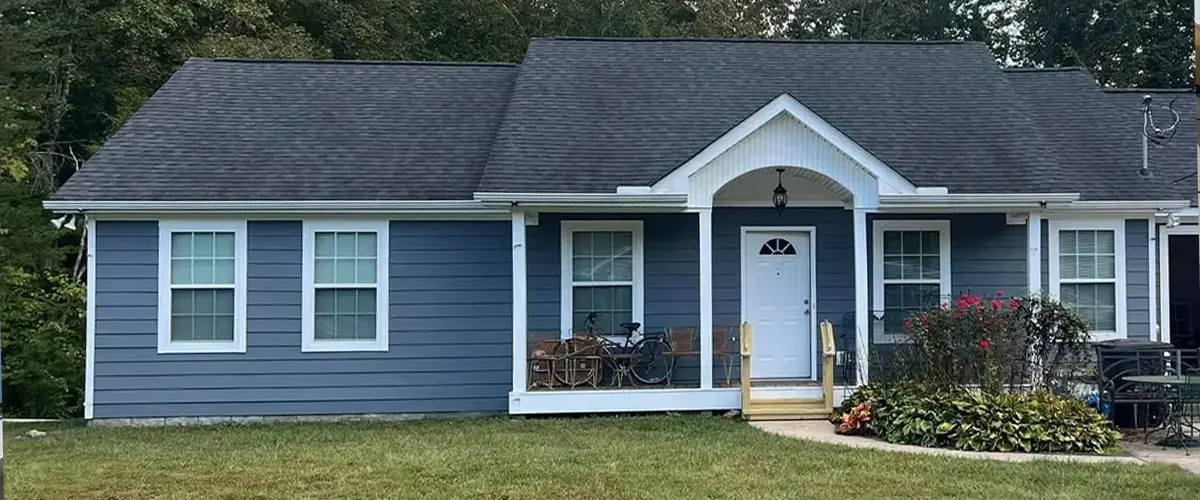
(202, 348)
(345, 346)
(1105, 336)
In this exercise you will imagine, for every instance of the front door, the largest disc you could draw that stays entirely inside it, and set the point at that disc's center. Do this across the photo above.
(777, 287)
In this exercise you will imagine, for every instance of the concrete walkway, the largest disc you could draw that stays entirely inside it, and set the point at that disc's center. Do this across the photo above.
(822, 432)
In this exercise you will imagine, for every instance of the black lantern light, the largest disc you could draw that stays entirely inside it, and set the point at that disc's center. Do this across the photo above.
(780, 198)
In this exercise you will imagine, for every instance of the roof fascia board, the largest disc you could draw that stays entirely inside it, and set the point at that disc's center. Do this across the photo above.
(676, 201)
(430, 207)
(890, 181)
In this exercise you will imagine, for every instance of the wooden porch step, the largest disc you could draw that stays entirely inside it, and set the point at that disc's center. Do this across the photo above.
(786, 409)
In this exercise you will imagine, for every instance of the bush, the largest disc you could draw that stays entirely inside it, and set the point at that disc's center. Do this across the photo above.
(998, 344)
(965, 419)
(43, 343)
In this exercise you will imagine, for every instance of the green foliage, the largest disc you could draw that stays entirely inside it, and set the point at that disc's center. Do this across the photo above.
(965, 419)
(43, 328)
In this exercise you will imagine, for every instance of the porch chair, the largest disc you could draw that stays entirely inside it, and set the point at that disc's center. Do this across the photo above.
(542, 359)
(725, 349)
(683, 344)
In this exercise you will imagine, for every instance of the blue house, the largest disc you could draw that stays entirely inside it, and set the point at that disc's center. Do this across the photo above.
(330, 238)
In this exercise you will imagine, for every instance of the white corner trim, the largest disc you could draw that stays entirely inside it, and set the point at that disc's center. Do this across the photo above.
(704, 218)
(567, 261)
(1152, 277)
(308, 342)
(89, 377)
(890, 181)
(1033, 254)
(520, 297)
(944, 261)
(862, 313)
(165, 228)
(1119, 281)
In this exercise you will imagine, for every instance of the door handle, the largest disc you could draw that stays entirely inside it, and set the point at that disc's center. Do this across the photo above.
(806, 302)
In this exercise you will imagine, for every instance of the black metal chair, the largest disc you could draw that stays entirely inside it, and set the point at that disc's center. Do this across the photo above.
(1131, 404)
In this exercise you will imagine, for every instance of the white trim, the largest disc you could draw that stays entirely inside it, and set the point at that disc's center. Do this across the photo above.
(89, 373)
(520, 297)
(447, 207)
(811, 231)
(1152, 276)
(618, 400)
(1119, 280)
(308, 341)
(862, 313)
(165, 228)
(1033, 255)
(566, 262)
(1164, 284)
(704, 218)
(581, 201)
(944, 262)
(889, 180)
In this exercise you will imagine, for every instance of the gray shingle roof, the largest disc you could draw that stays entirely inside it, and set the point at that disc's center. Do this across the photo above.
(589, 115)
(1176, 160)
(1096, 147)
(304, 130)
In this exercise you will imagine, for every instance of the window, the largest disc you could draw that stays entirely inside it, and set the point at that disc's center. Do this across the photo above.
(911, 271)
(602, 274)
(202, 286)
(777, 246)
(1087, 270)
(345, 299)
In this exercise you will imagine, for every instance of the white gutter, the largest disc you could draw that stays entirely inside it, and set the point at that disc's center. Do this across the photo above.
(972, 201)
(282, 206)
(1125, 206)
(586, 200)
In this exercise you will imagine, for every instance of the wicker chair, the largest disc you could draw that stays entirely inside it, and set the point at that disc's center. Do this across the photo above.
(541, 361)
(725, 349)
(683, 344)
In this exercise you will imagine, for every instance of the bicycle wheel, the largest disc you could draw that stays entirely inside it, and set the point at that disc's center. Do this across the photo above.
(651, 365)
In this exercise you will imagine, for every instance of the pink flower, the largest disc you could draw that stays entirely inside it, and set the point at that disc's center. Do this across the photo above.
(999, 293)
(995, 305)
(984, 344)
(908, 324)
(1014, 304)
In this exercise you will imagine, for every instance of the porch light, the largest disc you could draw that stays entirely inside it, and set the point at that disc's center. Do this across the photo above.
(780, 198)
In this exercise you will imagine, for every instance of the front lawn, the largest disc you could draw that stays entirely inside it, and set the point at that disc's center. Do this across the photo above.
(659, 457)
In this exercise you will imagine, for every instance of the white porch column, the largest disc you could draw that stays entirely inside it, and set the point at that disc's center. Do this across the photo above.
(1155, 321)
(520, 303)
(706, 299)
(862, 313)
(1034, 254)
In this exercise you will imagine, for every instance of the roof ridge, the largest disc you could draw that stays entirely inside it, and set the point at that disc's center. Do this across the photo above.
(762, 40)
(239, 60)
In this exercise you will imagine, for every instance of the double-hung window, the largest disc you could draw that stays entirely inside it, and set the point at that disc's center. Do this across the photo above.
(1087, 271)
(202, 286)
(911, 271)
(345, 298)
(601, 274)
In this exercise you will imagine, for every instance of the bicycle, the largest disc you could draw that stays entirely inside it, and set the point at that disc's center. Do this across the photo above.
(644, 360)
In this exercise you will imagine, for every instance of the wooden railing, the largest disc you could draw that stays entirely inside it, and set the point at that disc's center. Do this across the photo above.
(747, 343)
(828, 356)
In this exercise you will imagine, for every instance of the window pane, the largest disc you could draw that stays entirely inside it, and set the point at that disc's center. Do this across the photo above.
(181, 244)
(366, 270)
(623, 243)
(1106, 242)
(323, 271)
(202, 271)
(347, 302)
(346, 244)
(893, 268)
(223, 301)
(325, 301)
(1085, 295)
(1106, 266)
(1087, 267)
(623, 269)
(366, 301)
(223, 268)
(612, 305)
(324, 245)
(581, 269)
(602, 244)
(1066, 242)
(181, 271)
(911, 242)
(1106, 319)
(202, 244)
(912, 268)
(204, 327)
(930, 243)
(346, 271)
(325, 327)
(224, 328)
(1068, 266)
(224, 245)
(1086, 241)
(181, 301)
(602, 269)
(367, 245)
(365, 327)
(581, 243)
(181, 328)
(930, 268)
(891, 242)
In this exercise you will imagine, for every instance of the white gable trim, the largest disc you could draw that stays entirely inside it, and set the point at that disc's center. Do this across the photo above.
(889, 181)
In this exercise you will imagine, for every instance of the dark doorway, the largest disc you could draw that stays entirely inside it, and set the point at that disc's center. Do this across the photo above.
(1185, 290)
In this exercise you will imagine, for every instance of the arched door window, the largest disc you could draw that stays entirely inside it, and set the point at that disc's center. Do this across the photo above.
(777, 246)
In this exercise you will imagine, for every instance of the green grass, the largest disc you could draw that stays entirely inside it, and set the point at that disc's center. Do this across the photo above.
(660, 457)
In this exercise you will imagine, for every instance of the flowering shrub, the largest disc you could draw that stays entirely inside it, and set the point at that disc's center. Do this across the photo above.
(997, 344)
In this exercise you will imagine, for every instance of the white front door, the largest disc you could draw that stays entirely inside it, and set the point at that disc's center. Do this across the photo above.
(777, 286)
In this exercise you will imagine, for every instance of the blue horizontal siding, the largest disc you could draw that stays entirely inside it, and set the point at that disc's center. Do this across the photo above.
(449, 330)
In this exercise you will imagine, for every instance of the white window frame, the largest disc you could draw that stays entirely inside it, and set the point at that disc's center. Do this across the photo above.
(877, 281)
(567, 270)
(309, 342)
(1117, 226)
(165, 229)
